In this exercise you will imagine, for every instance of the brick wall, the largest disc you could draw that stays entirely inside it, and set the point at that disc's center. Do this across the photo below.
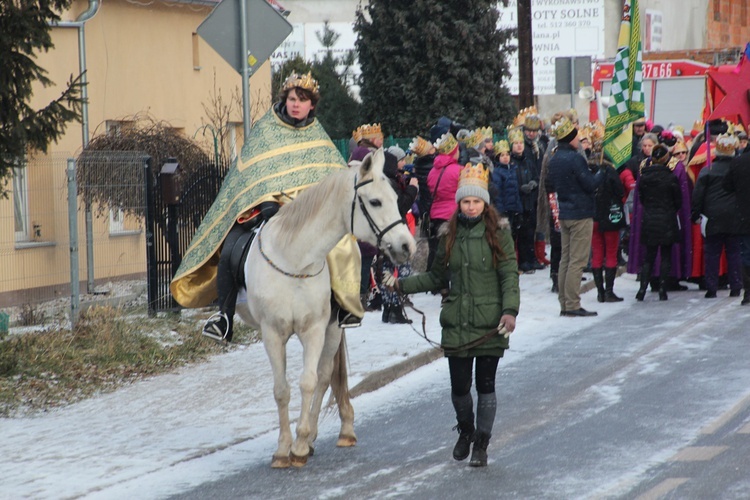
(728, 23)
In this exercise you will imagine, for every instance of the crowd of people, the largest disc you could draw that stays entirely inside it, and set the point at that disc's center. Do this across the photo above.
(488, 208)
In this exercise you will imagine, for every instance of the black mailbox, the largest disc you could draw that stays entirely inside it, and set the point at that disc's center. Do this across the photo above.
(169, 179)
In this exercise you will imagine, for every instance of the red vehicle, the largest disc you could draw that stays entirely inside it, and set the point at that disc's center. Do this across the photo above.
(674, 91)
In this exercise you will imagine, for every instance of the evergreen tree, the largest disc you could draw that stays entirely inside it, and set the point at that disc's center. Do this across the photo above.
(423, 59)
(24, 30)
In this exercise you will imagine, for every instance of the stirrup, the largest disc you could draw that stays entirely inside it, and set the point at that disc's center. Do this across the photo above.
(212, 328)
(349, 320)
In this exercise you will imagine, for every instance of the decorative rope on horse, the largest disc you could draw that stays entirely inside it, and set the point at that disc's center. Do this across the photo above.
(270, 262)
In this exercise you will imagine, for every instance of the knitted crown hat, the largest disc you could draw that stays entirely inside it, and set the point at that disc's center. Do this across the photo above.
(473, 181)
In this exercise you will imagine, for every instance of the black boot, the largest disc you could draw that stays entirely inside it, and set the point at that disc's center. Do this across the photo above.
(746, 285)
(465, 438)
(347, 319)
(609, 281)
(553, 276)
(599, 282)
(386, 313)
(645, 278)
(218, 327)
(396, 316)
(663, 290)
(479, 452)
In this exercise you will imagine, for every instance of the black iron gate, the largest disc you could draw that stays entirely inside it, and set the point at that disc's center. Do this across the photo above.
(171, 225)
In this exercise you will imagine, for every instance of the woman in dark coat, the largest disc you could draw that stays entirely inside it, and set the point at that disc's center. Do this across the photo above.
(477, 261)
(660, 195)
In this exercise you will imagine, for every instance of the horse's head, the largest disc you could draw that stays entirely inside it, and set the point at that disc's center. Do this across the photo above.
(376, 218)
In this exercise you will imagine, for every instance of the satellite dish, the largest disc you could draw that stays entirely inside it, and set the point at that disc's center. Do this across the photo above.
(587, 93)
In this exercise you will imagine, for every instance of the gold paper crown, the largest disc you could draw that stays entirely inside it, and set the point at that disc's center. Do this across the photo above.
(502, 146)
(562, 128)
(519, 120)
(446, 144)
(532, 122)
(595, 133)
(474, 139)
(420, 146)
(515, 135)
(367, 132)
(474, 175)
(486, 132)
(306, 82)
(698, 125)
(726, 144)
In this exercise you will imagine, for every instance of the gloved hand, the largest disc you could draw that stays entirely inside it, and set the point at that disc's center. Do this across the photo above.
(389, 280)
(526, 188)
(507, 325)
(533, 184)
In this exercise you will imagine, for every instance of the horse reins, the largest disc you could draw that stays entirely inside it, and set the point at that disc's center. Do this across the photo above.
(447, 350)
(373, 226)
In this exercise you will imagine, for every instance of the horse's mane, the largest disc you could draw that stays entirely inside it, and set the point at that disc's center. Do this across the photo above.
(293, 216)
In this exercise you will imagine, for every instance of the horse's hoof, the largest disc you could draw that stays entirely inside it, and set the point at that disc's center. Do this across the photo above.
(298, 461)
(346, 441)
(280, 463)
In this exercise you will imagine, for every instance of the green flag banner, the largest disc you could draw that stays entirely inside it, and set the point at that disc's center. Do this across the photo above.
(626, 93)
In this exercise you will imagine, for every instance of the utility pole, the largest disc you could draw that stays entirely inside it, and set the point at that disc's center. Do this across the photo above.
(525, 51)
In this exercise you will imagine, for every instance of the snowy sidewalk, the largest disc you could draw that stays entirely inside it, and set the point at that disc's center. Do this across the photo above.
(106, 446)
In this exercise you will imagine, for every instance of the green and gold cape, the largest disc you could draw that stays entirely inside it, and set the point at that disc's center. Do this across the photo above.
(277, 157)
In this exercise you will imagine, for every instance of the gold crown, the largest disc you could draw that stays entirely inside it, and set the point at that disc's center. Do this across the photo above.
(594, 131)
(367, 132)
(486, 132)
(515, 135)
(446, 144)
(306, 82)
(562, 128)
(474, 139)
(698, 125)
(520, 119)
(726, 144)
(474, 175)
(502, 146)
(420, 146)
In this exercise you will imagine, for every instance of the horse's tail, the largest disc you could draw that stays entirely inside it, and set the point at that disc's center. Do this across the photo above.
(340, 375)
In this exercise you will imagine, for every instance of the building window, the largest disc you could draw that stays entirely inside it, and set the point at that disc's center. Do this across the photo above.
(114, 128)
(20, 204)
(116, 221)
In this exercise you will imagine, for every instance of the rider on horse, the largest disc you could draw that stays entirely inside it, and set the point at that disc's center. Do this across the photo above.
(287, 150)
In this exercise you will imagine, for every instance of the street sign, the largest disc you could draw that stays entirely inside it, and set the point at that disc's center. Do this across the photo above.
(569, 80)
(266, 27)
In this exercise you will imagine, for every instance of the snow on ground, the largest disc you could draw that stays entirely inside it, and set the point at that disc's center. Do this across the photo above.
(172, 432)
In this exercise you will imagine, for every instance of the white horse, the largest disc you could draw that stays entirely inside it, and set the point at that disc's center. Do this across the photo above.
(289, 291)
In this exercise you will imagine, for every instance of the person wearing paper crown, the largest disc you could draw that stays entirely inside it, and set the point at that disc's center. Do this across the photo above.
(712, 200)
(528, 184)
(575, 185)
(476, 261)
(443, 182)
(425, 157)
(504, 180)
(267, 173)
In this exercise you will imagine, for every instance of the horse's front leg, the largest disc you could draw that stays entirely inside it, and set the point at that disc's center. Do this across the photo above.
(325, 368)
(312, 347)
(275, 345)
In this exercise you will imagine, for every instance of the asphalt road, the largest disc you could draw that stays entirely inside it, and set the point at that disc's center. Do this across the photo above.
(654, 403)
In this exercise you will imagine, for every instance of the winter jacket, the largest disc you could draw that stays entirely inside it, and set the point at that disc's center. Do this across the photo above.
(422, 168)
(505, 184)
(569, 176)
(737, 181)
(405, 193)
(479, 293)
(660, 195)
(711, 199)
(444, 201)
(527, 176)
(609, 199)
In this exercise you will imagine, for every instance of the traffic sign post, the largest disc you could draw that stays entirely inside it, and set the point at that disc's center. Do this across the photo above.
(244, 33)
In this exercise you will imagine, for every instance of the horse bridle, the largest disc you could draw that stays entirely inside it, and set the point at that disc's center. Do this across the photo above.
(373, 226)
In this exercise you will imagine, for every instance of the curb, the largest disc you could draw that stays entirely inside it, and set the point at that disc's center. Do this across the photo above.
(381, 378)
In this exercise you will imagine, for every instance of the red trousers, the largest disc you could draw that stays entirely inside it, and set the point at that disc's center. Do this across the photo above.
(604, 247)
